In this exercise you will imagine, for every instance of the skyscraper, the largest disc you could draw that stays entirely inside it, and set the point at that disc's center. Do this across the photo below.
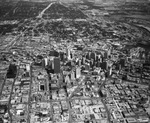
(67, 79)
(68, 53)
(72, 75)
(83, 60)
(104, 65)
(46, 61)
(88, 55)
(43, 63)
(78, 72)
(56, 65)
(87, 66)
(28, 67)
(93, 55)
(105, 55)
(122, 63)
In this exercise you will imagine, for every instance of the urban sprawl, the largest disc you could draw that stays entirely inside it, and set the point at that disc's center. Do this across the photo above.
(70, 65)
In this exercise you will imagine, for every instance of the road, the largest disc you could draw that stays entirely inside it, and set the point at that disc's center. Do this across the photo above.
(9, 103)
(108, 113)
(41, 14)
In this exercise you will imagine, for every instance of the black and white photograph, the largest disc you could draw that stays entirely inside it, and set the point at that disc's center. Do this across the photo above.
(74, 61)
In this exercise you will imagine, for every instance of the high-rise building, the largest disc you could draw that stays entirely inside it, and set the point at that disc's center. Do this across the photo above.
(88, 55)
(43, 63)
(87, 66)
(78, 72)
(28, 67)
(83, 60)
(68, 53)
(98, 58)
(56, 65)
(46, 61)
(72, 75)
(71, 55)
(98, 64)
(110, 71)
(104, 65)
(122, 62)
(51, 53)
(61, 54)
(91, 63)
(79, 62)
(93, 55)
(67, 79)
(105, 55)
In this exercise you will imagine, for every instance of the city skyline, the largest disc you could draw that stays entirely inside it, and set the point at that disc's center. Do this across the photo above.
(74, 62)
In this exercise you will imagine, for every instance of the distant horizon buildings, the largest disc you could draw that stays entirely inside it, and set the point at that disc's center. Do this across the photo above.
(78, 1)
(65, 1)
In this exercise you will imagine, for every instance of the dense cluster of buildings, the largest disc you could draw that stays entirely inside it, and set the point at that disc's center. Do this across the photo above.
(74, 86)
(73, 71)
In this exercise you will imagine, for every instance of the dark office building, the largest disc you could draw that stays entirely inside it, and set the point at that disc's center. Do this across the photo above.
(122, 62)
(93, 55)
(56, 65)
(54, 53)
(12, 71)
(88, 55)
(97, 58)
(51, 53)
(43, 63)
(105, 55)
(98, 64)
(104, 65)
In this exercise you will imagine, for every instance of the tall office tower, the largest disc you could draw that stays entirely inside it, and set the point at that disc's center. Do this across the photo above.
(78, 72)
(51, 53)
(28, 67)
(122, 63)
(67, 79)
(105, 55)
(98, 64)
(104, 65)
(68, 52)
(79, 62)
(88, 55)
(72, 75)
(46, 61)
(56, 54)
(83, 60)
(98, 57)
(61, 54)
(50, 64)
(110, 71)
(87, 66)
(93, 55)
(109, 52)
(43, 63)
(71, 55)
(91, 63)
(56, 65)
